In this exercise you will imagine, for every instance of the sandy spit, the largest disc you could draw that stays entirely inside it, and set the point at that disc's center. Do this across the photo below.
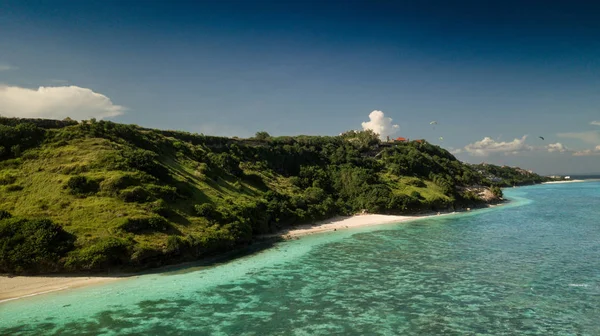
(560, 182)
(13, 288)
(347, 222)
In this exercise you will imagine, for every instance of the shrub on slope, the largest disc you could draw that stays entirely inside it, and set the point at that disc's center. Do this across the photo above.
(35, 245)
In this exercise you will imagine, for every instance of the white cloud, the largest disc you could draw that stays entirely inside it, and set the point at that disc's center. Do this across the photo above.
(588, 152)
(56, 103)
(591, 137)
(455, 151)
(488, 146)
(556, 147)
(595, 123)
(380, 124)
(6, 67)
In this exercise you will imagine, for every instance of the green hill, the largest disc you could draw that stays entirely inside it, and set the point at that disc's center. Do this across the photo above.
(98, 195)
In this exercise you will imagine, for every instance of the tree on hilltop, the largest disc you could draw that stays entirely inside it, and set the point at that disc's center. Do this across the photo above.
(262, 135)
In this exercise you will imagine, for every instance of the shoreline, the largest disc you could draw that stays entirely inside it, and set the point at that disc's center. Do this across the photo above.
(18, 287)
(561, 182)
(359, 220)
(340, 222)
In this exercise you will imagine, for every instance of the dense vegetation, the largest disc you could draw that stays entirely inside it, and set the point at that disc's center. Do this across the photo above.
(505, 176)
(98, 195)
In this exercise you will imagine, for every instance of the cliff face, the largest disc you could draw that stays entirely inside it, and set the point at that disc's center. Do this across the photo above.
(108, 195)
(483, 194)
(486, 195)
(489, 197)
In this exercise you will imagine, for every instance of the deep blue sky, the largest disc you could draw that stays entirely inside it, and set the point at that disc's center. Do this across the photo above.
(498, 69)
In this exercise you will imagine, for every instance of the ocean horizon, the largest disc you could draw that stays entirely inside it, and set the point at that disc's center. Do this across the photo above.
(527, 267)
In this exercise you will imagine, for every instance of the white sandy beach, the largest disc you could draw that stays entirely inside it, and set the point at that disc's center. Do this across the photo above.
(339, 223)
(12, 288)
(347, 222)
(560, 182)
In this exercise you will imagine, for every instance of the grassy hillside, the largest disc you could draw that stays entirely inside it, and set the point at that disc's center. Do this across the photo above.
(94, 196)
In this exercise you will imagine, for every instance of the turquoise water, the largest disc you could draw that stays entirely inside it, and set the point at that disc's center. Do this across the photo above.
(528, 268)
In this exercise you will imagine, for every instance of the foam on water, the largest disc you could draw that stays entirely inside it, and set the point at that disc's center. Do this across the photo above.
(498, 270)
